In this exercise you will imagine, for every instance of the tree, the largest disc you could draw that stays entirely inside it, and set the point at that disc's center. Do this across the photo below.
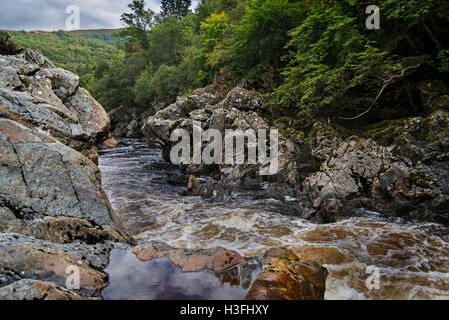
(260, 38)
(139, 21)
(212, 51)
(178, 8)
(166, 41)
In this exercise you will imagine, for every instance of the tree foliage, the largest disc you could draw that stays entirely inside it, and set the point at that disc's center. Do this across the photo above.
(177, 8)
(139, 21)
(315, 59)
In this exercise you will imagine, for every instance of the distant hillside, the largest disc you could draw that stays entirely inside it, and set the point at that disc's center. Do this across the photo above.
(73, 51)
(95, 31)
(104, 35)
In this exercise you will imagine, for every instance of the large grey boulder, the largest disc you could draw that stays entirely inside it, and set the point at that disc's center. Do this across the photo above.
(47, 178)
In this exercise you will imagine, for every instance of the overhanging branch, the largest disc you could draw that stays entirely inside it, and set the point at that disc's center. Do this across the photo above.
(386, 84)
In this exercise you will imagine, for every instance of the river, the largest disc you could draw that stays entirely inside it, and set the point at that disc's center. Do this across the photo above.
(146, 194)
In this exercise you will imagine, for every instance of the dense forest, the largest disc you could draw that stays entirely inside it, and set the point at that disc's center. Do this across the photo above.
(315, 60)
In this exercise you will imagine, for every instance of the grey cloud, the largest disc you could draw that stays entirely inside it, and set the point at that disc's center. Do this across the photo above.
(51, 14)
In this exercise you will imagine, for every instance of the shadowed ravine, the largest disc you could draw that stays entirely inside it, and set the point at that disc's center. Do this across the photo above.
(146, 194)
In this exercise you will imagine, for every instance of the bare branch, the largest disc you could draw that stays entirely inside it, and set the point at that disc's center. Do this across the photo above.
(386, 84)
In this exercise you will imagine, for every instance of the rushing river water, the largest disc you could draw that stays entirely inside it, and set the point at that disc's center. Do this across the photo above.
(146, 193)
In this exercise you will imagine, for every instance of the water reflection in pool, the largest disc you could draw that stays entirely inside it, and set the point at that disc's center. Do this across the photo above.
(159, 279)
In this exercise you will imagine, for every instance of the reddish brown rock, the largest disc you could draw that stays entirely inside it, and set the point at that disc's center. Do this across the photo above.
(225, 259)
(36, 261)
(108, 143)
(217, 259)
(153, 251)
(193, 187)
(322, 255)
(199, 261)
(285, 277)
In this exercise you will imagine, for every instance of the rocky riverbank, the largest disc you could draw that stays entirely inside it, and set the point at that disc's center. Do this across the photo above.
(54, 213)
(397, 168)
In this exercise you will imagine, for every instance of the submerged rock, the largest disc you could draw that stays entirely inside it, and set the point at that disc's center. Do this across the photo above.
(216, 259)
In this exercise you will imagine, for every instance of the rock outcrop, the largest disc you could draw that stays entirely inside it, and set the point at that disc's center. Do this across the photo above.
(397, 168)
(40, 96)
(403, 174)
(53, 211)
(237, 111)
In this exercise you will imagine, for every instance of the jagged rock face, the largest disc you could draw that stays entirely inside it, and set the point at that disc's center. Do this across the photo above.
(53, 211)
(43, 177)
(406, 178)
(37, 94)
(402, 174)
(236, 111)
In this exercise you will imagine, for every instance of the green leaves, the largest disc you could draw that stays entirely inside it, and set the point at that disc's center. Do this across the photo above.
(177, 8)
(263, 32)
(337, 68)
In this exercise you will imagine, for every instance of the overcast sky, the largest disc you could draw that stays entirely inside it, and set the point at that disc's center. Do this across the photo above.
(51, 15)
